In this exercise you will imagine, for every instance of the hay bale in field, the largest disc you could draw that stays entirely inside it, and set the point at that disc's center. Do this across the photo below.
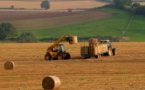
(73, 39)
(93, 42)
(51, 83)
(9, 65)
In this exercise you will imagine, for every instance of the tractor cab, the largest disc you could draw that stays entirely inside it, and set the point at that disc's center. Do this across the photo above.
(59, 48)
(109, 45)
(57, 53)
(105, 41)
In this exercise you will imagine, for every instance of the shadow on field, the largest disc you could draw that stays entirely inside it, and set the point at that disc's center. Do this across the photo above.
(102, 60)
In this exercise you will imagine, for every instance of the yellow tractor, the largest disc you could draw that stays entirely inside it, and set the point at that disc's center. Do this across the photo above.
(57, 51)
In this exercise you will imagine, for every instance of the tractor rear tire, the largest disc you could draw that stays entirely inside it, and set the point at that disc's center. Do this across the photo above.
(109, 52)
(96, 56)
(67, 56)
(86, 57)
(113, 51)
(47, 56)
(60, 57)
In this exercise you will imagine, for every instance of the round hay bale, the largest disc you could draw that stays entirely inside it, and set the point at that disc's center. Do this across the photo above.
(9, 65)
(73, 39)
(93, 40)
(51, 83)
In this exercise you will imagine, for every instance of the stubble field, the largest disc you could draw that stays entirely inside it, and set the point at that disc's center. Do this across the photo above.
(142, 3)
(56, 16)
(54, 5)
(125, 71)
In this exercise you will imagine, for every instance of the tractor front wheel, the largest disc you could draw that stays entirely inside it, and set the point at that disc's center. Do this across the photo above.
(47, 56)
(59, 57)
(67, 56)
(109, 52)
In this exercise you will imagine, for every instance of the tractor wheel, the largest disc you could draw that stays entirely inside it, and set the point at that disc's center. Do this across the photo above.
(86, 57)
(109, 52)
(113, 51)
(48, 56)
(67, 56)
(96, 56)
(59, 57)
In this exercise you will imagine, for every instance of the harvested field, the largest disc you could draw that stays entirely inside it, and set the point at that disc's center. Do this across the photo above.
(56, 16)
(125, 71)
(142, 3)
(29, 20)
(30, 15)
(54, 5)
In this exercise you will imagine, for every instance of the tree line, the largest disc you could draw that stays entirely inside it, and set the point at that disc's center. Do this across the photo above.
(8, 31)
(133, 7)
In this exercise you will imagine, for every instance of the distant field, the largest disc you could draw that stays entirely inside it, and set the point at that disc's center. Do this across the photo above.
(82, 23)
(29, 20)
(142, 3)
(112, 26)
(54, 6)
(136, 30)
(42, 19)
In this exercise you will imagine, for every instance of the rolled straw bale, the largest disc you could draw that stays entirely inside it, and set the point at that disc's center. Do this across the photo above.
(9, 65)
(92, 48)
(93, 40)
(51, 83)
(73, 39)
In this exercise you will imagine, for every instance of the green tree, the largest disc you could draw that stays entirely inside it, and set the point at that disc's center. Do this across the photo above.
(140, 10)
(134, 7)
(45, 4)
(7, 30)
(122, 3)
(26, 37)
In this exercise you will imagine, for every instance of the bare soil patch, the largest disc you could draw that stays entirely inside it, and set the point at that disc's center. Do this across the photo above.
(29, 20)
(28, 15)
(125, 38)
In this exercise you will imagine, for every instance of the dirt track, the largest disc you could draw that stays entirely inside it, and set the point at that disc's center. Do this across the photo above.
(125, 71)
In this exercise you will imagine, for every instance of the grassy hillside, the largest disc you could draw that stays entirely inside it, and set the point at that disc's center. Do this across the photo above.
(136, 30)
(113, 26)
(105, 27)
